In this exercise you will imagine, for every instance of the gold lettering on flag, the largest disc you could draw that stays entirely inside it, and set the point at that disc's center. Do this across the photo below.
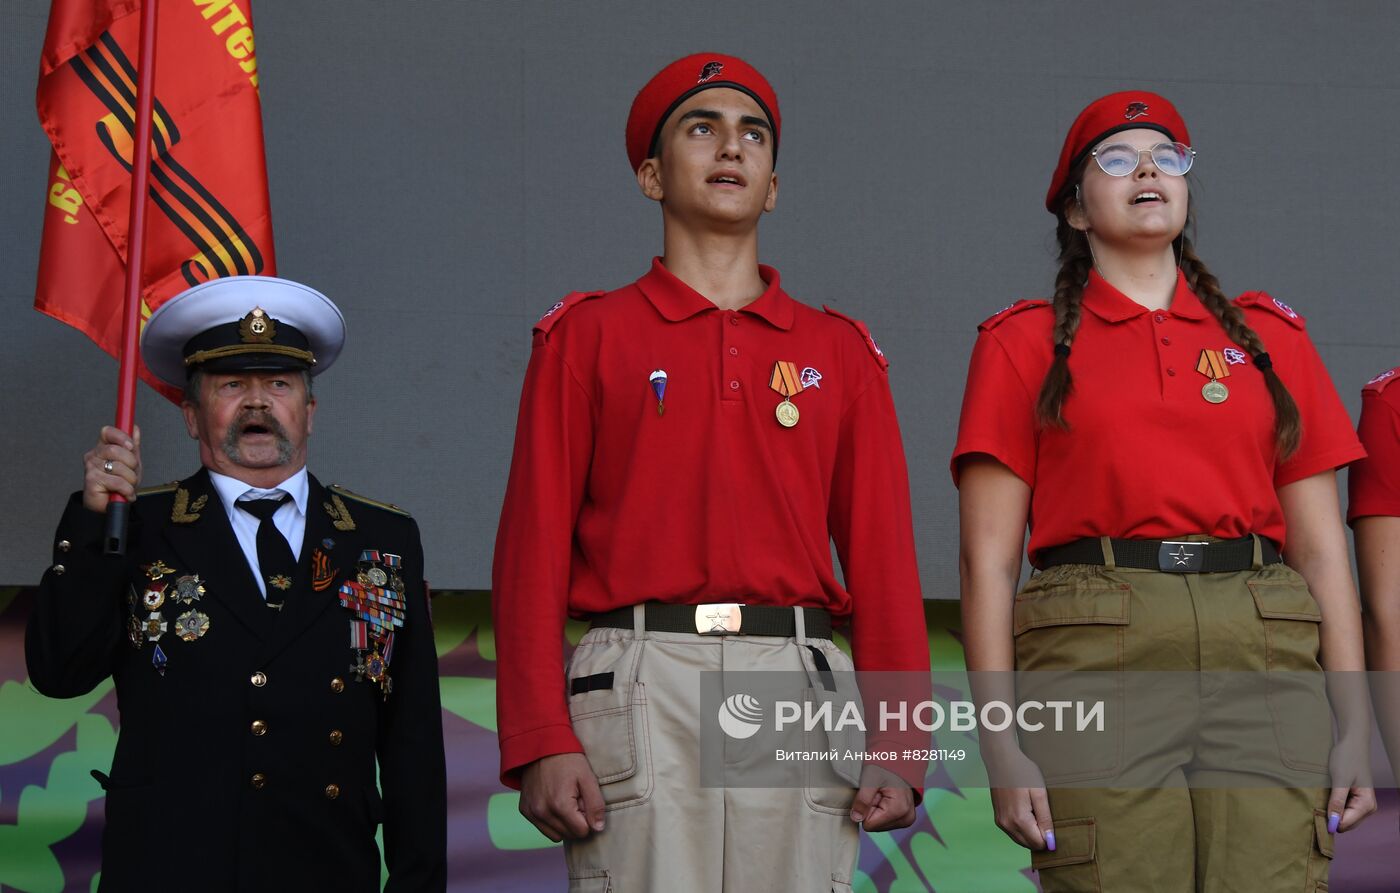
(239, 44)
(210, 214)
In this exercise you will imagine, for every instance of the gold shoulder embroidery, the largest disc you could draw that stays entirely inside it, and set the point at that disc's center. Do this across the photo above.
(340, 515)
(184, 511)
(350, 494)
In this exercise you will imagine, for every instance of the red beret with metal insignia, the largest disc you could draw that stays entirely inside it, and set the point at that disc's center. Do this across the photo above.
(681, 80)
(1115, 112)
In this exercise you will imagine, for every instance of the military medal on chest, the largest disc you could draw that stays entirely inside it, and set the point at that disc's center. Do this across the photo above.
(189, 589)
(1212, 364)
(147, 623)
(786, 381)
(375, 598)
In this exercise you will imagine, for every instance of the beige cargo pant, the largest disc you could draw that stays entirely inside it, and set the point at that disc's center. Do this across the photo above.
(667, 832)
(1186, 832)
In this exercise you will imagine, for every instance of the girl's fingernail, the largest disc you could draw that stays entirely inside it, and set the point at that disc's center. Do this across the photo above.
(1050, 841)
(1333, 820)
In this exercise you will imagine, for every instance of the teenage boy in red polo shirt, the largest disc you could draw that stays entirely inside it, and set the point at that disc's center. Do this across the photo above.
(687, 443)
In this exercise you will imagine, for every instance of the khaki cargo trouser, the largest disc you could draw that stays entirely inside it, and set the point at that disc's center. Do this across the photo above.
(1187, 830)
(665, 831)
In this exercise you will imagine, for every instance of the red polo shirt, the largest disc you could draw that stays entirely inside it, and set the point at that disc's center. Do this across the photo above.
(611, 503)
(1374, 482)
(1146, 456)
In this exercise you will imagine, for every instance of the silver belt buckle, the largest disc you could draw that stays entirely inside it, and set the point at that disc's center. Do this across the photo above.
(723, 619)
(1176, 557)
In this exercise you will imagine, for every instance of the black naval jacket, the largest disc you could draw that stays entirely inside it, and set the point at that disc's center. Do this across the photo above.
(249, 763)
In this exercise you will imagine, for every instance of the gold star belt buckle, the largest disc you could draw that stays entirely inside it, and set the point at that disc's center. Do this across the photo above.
(719, 619)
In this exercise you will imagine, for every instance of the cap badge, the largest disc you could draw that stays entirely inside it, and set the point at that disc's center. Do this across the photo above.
(710, 71)
(257, 327)
(1135, 110)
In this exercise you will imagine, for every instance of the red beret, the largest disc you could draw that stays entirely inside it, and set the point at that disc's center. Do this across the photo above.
(681, 80)
(1103, 117)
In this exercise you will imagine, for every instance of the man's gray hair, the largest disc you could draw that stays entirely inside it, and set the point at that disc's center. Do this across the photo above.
(195, 383)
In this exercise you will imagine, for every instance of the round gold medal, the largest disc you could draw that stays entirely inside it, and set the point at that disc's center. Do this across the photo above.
(1215, 392)
(787, 414)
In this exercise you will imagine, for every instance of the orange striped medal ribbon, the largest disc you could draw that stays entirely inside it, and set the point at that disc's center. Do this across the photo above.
(787, 382)
(1212, 365)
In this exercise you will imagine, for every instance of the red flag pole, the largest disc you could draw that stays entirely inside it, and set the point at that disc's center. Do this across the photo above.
(118, 509)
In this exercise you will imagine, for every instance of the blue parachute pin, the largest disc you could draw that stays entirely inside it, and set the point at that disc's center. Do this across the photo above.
(658, 385)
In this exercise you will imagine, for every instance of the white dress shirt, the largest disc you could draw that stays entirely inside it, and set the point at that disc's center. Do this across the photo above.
(290, 517)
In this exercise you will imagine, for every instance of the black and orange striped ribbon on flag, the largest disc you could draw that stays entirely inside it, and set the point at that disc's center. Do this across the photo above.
(785, 379)
(208, 176)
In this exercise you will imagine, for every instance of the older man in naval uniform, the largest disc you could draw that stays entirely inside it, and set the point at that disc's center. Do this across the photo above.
(268, 636)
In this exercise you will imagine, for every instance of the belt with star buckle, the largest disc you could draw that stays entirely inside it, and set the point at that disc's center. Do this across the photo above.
(722, 619)
(1169, 556)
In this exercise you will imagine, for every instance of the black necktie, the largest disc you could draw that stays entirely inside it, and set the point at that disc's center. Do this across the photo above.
(278, 565)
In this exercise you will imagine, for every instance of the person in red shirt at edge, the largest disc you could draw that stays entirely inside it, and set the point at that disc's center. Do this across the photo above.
(1373, 510)
(1139, 406)
(697, 438)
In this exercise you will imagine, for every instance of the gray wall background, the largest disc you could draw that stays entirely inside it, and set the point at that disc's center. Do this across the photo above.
(445, 170)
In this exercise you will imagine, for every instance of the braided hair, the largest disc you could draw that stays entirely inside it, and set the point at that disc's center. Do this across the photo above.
(1076, 261)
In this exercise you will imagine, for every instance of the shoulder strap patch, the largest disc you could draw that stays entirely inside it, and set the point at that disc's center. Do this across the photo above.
(875, 350)
(1267, 302)
(1009, 311)
(1382, 381)
(157, 489)
(562, 306)
(351, 494)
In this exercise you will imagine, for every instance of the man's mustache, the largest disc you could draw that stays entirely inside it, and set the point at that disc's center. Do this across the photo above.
(258, 418)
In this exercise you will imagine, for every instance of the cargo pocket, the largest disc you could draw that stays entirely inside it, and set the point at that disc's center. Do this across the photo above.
(609, 714)
(590, 881)
(1071, 617)
(1070, 623)
(830, 784)
(1296, 685)
(1073, 866)
(1290, 616)
(1320, 859)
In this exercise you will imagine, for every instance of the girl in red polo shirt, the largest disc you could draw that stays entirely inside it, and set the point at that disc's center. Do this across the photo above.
(1163, 444)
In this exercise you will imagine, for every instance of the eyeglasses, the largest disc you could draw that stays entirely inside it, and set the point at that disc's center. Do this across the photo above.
(1121, 159)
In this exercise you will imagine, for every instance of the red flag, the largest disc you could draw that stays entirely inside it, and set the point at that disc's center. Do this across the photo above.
(209, 215)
